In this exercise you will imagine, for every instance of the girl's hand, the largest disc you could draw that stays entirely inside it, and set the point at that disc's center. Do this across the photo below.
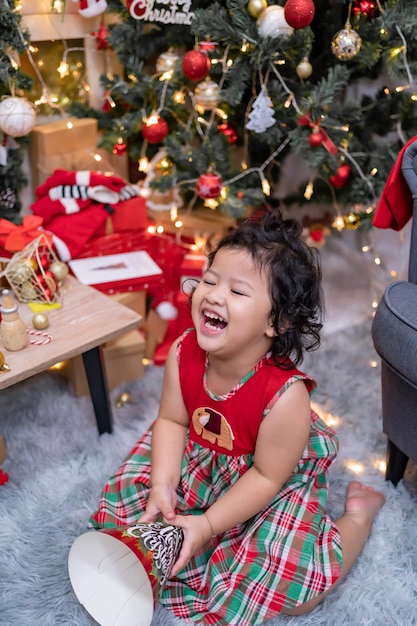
(161, 503)
(197, 532)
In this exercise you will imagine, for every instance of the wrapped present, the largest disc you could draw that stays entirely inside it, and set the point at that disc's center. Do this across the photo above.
(123, 362)
(67, 144)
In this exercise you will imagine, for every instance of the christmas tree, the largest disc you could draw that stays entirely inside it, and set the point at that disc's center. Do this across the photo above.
(17, 116)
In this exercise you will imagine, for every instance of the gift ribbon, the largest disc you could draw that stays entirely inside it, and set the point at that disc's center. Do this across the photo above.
(16, 237)
(305, 120)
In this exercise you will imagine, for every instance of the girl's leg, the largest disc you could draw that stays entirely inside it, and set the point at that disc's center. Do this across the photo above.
(362, 505)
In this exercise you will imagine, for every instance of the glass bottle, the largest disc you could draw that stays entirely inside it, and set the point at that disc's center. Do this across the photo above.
(12, 328)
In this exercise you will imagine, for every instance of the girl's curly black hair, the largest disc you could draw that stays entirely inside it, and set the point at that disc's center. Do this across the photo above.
(294, 272)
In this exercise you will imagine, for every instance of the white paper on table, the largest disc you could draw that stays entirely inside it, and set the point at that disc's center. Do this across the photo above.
(111, 268)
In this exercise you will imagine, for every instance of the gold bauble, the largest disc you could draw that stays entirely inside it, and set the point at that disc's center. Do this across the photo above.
(352, 221)
(304, 69)
(207, 94)
(23, 272)
(40, 321)
(164, 166)
(59, 269)
(255, 7)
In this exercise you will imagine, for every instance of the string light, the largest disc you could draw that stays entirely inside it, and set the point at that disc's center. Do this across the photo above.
(354, 466)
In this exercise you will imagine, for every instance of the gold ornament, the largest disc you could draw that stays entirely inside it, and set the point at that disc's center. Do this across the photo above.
(59, 269)
(352, 221)
(3, 365)
(23, 272)
(40, 321)
(255, 7)
(346, 43)
(304, 69)
(122, 399)
(207, 95)
(164, 166)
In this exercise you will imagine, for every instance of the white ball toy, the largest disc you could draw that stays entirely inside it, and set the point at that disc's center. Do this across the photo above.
(272, 22)
(167, 311)
(17, 116)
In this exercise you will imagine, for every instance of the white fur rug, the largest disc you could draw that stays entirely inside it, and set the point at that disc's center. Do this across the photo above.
(58, 464)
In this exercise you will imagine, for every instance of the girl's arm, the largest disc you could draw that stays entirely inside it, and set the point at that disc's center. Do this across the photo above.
(168, 443)
(281, 441)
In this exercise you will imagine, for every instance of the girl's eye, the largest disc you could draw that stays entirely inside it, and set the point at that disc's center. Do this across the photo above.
(237, 293)
(207, 282)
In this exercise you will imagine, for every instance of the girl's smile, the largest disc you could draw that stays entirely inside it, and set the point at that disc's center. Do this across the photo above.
(231, 307)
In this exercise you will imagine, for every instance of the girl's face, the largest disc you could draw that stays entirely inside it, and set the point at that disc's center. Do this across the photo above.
(231, 306)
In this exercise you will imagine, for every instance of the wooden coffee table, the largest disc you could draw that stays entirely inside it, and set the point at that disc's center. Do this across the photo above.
(86, 320)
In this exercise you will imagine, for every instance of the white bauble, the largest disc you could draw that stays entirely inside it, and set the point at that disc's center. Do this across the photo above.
(272, 22)
(17, 116)
(167, 311)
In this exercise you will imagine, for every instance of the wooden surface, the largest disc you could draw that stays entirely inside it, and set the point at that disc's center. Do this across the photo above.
(86, 319)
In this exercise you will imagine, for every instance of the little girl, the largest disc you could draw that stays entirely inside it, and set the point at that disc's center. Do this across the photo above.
(236, 456)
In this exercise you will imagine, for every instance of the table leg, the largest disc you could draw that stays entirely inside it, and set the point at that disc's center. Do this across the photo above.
(97, 382)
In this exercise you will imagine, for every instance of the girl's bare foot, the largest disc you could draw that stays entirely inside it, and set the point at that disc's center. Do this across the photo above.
(362, 502)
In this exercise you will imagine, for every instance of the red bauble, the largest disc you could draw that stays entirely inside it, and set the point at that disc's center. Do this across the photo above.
(209, 185)
(119, 148)
(342, 176)
(315, 140)
(228, 130)
(299, 13)
(195, 65)
(155, 129)
(364, 7)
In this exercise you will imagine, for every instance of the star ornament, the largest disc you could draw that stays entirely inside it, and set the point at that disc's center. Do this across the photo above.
(101, 37)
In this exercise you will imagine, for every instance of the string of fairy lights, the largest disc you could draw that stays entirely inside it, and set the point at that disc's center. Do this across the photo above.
(340, 222)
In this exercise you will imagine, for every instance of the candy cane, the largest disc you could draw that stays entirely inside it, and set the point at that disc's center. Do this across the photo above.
(39, 342)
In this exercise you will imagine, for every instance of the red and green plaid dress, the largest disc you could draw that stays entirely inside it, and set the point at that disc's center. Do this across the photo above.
(286, 554)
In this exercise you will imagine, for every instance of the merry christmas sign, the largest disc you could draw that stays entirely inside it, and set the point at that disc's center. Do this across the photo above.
(162, 11)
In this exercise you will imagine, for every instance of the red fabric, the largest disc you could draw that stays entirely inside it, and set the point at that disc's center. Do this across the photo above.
(77, 221)
(233, 436)
(395, 206)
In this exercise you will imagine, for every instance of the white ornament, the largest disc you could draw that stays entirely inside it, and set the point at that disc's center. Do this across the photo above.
(167, 311)
(262, 115)
(17, 116)
(272, 22)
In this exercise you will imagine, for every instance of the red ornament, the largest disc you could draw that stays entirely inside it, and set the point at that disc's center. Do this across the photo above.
(101, 37)
(155, 129)
(207, 45)
(299, 13)
(229, 131)
(315, 140)
(120, 148)
(195, 65)
(4, 477)
(364, 7)
(342, 176)
(209, 185)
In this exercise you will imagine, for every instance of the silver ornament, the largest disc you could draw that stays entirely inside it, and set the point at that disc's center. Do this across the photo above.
(346, 44)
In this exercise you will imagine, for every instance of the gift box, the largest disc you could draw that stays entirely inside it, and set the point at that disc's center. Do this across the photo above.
(123, 362)
(207, 224)
(3, 450)
(55, 146)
